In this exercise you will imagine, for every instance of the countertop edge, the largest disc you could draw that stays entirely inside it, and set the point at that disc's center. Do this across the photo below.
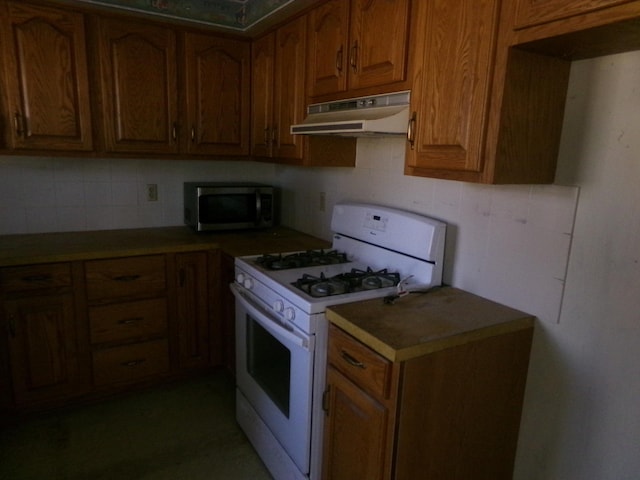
(430, 346)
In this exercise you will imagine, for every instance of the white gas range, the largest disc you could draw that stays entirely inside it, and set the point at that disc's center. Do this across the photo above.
(281, 329)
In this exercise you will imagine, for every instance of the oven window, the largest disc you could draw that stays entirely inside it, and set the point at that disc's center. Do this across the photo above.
(227, 208)
(269, 363)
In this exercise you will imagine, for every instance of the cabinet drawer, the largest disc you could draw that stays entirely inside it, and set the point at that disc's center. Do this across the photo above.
(129, 363)
(129, 320)
(360, 364)
(125, 277)
(34, 277)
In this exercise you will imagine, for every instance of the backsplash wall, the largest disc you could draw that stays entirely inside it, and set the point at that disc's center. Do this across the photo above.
(61, 194)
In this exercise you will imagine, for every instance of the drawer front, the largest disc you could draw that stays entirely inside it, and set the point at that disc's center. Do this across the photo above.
(130, 363)
(125, 277)
(360, 364)
(33, 277)
(129, 320)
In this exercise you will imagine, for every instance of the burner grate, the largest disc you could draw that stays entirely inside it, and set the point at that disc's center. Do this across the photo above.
(309, 258)
(354, 281)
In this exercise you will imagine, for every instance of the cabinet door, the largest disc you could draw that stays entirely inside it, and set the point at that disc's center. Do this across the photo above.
(45, 43)
(289, 95)
(328, 30)
(139, 100)
(378, 45)
(43, 347)
(454, 45)
(355, 436)
(192, 317)
(531, 12)
(262, 78)
(217, 83)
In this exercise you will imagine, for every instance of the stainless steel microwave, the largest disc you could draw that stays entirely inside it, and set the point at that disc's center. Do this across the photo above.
(211, 206)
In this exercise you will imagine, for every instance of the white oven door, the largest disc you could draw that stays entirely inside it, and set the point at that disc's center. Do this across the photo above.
(274, 371)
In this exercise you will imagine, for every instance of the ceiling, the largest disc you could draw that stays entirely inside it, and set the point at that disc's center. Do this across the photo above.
(241, 16)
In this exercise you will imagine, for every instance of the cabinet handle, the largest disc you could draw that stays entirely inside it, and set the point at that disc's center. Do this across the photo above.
(352, 361)
(274, 136)
(354, 57)
(133, 363)
(174, 131)
(193, 134)
(37, 278)
(339, 55)
(266, 136)
(411, 130)
(126, 278)
(326, 399)
(17, 120)
(130, 321)
(12, 326)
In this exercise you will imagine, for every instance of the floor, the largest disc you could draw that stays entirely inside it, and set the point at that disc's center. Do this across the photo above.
(180, 431)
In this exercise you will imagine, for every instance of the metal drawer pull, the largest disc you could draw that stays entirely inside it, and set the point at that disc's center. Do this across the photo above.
(126, 278)
(133, 363)
(37, 278)
(129, 321)
(352, 361)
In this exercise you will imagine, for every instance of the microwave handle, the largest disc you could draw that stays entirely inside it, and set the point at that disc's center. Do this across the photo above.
(258, 207)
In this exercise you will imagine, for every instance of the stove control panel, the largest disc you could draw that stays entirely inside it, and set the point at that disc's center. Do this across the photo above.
(376, 221)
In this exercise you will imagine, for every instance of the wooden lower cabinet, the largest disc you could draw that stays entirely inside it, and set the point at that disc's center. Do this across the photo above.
(83, 329)
(449, 414)
(41, 348)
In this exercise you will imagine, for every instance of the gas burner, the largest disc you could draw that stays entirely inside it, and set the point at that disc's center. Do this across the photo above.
(310, 258)
(354, 281)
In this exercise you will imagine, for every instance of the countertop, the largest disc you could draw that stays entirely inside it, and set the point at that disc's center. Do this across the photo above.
(421, 323)
(69, 246)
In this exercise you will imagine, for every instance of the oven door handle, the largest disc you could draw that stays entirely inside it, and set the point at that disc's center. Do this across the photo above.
(274, 327)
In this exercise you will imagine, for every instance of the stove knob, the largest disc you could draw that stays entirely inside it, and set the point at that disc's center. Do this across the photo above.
(240, 278)
(248, 283)
(278, 306)
(289, 314)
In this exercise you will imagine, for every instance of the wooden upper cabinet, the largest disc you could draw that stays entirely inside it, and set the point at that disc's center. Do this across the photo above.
(289, 92)
(139, 86)
(378, 47)
(262, 78)
(454, 47)
(532, 12)
(328, 47)
(47, 85)
(217, 93)
(357, 45)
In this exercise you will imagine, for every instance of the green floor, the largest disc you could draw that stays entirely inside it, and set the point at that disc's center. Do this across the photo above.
(181, 431)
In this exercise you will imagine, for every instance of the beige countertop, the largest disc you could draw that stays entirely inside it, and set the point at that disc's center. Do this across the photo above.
(68, 246)
(418, 324)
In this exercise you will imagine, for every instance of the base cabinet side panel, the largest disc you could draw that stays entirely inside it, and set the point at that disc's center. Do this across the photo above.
(461, 410)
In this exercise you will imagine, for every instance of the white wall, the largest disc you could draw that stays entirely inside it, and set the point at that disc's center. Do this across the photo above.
(61, 194)
(520, 245)
(567, 253)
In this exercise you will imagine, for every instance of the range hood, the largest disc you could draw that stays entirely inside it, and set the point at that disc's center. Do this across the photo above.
(376, 115)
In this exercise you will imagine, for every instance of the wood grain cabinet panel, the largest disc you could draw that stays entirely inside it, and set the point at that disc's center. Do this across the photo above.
(47, 81)
(130, 363)
(533, 12)
(262, 78)
(217, 95)
(138, 75)
(128, 321)
(355, 45)
(125, 277)
(451, 413)
(192, 310)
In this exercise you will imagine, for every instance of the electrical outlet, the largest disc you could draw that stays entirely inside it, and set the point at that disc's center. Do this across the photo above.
(322, 204)
(152, 192)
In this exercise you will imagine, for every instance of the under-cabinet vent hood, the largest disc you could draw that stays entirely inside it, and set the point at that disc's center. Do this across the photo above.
(377, 115)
